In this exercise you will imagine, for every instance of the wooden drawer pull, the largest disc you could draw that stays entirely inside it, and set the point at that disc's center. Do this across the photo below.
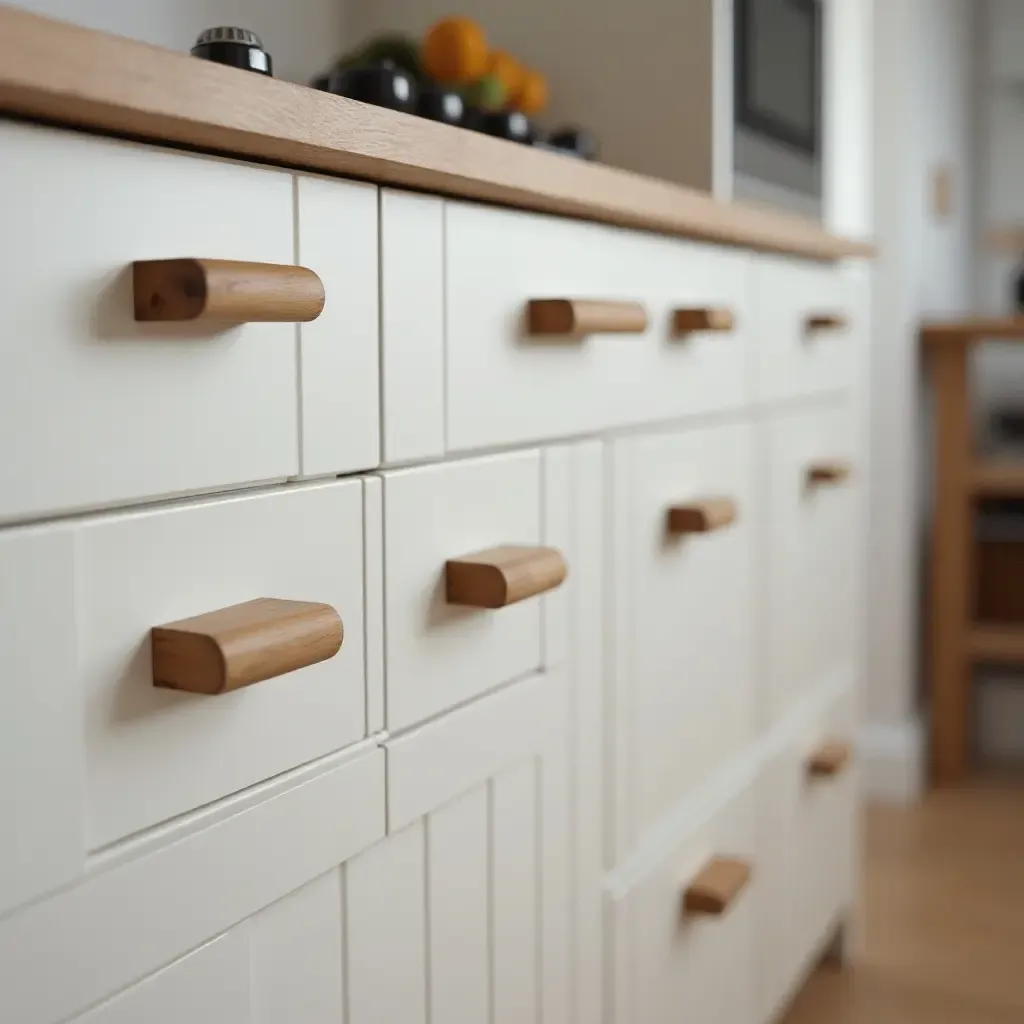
(575, 318)
(701, 516)
(502, 576)
(243, 644)
(717, 886)
(226, 290)
(829, 759)
(834, 471)
(826, 322)
(686, 321)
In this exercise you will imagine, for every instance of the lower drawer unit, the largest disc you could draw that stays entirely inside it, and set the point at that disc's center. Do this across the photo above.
(686, 515)
(683, 938)
(475, 560)
(807, 800)
(467, 902)
(813, 482)
(236, 915)
(92, 750)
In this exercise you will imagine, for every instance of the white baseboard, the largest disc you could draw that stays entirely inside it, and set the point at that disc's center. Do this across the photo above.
(892, 757)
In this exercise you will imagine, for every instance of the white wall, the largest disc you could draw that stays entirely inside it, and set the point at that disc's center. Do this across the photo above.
(302, 36)
(924, 68)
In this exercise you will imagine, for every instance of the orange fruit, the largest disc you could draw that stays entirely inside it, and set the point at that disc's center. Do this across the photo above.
(506, 69)
(532, 95)
(454, 50)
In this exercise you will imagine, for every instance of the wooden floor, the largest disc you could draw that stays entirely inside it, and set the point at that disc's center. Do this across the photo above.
(942, 921)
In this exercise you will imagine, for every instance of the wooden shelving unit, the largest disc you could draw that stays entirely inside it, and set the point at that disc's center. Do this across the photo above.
(961, 478)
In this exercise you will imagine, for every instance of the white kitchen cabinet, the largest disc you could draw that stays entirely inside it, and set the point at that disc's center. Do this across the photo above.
(596, 579)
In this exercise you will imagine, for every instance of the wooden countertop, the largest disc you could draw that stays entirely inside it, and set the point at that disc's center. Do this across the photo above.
(968, 331)
(60, 73)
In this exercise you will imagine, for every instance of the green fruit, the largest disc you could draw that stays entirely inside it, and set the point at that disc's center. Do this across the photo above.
(487, 93)
(401, 50)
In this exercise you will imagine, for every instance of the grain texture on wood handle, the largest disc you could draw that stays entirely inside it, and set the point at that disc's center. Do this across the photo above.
(717, 886)
(701, 516)
(243, 644)
(704, 318)
(502, 576)
(829, 759)
(229, 291)
(826, 322)
(575, 318)
(828, 471)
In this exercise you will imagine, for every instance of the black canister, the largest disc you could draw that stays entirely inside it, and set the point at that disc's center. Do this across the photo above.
(236, 47)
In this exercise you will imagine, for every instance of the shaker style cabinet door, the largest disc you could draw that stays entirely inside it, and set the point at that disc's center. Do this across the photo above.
(684, 581)
(98, 407)
(556, 327)
(683, 937)
(190, 651)
(813, 548)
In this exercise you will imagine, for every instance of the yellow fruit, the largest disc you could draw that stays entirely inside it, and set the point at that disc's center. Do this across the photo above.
(455, 50)
(506, 69)
(532, 95)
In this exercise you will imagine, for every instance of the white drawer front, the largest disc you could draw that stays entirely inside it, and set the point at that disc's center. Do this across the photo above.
(807, 854)
(264, 870)
(809, 318)
(439, 654)
(504, 386)
(813, 551)
(685, 695)
(153, 753)
(97, 408)
(671, 964)
(468, 905)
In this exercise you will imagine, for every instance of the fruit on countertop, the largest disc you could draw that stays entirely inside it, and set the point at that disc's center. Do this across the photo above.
(532, 95)
(487, 93)
(454, 50)
(506, 69)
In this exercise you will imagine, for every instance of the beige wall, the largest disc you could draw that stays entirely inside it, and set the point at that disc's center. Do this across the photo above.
(639, 75)
(302, 37)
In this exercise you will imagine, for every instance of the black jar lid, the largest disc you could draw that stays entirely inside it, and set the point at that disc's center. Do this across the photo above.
(236, 47)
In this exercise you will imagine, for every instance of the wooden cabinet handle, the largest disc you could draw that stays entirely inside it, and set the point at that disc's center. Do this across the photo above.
(829, 760)
(701, 516)
(226, 290)
(826, 322)
(832, 471)
(706, 318)
(502, 576)
(575, 318)
(243, 644)
(717, 886)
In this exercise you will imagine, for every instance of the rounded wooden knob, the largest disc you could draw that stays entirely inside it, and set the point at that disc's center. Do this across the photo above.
(827, 472)
(228, 291)
(825, 322)
(829, 760)
(703, 318)
(575, 318)
(243, 644)
(504, 575)
(717, 886)
(701, 516)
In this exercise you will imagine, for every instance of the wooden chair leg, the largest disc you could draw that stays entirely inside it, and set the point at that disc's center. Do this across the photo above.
(951, 567)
